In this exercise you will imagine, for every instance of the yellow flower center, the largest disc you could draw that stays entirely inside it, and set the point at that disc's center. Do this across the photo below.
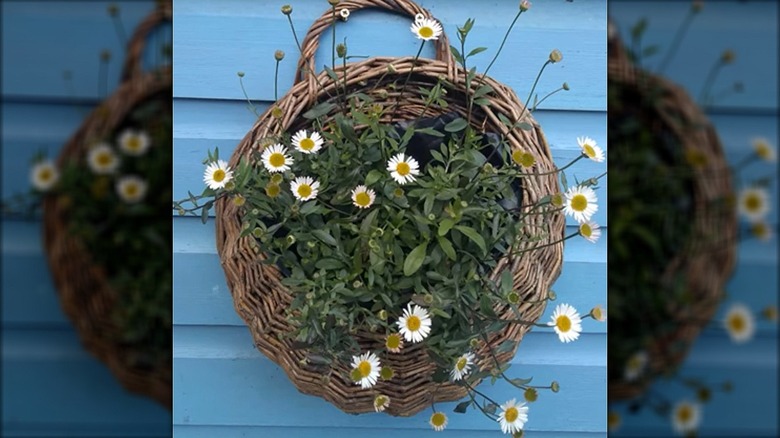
(413, 323)
(511, 414)
(613, 419)
(684, 414)
(403, 168)
(597, 313)
(585, 230)
(364, 368)
(393, 342)
(425, 32)
(462, 362)
(272, 190)
(523, 158)
(386, 373)
(276, 159)
(133, 143)
(131, 190)
(563, 323)
(362, 199)
(557, 200)
(579, 202)
(45, 174)
(736, 323)
(752, 202)
(104, 159)
(307, 144)
(380, 400)
(759, 230)
(635, 363)
(276, 178)
(218, 175)
(589, 151)
(438, 419)
(762, 150)
(304, 190)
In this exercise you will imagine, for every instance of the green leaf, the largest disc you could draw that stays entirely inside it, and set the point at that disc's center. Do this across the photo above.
(462, 407)
(447, 247)
(483, 90)
(328, 264)
(476, 51)
(456, 54)
(415, 259)
(430, 131)
(506, 281)
(445, 225)
(473, 235)
(456, 125)
(505, 346)
(319, 110)
(324, 235)
(525, 126)
(365, 226)
(373, 177)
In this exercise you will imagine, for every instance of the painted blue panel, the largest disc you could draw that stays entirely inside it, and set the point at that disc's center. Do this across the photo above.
(184, 431)
(223, 360)
(747, 28)
(575, 28)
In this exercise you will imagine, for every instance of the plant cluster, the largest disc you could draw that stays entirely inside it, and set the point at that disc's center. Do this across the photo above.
(397, 229)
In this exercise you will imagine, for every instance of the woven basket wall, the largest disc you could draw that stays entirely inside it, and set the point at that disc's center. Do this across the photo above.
(84, 288)
(261, 300)
(706, 262)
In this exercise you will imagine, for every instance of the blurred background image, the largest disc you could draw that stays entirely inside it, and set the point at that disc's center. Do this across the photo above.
(692, 279)
(86, 146)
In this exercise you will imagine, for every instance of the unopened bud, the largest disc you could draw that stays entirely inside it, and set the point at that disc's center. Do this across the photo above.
(566, 86)
(556, 56)
(240, 74)
(286, 9)
(279, 55)
(341, 50)
(525, 5)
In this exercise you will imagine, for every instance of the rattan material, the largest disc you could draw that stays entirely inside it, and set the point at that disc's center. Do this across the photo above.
(86, 295)
(261, 300)
(706, 263)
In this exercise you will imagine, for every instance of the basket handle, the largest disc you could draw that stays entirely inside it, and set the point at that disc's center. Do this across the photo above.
(401, 7)
(135, 48)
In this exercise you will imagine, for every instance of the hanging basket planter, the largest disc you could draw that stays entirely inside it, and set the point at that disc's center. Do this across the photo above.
(263, 300)
(107, 243)
(675, 230)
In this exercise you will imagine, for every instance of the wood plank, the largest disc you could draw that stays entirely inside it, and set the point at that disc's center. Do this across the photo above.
(51, 383)
(209, 63)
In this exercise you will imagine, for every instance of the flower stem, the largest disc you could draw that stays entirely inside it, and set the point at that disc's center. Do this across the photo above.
(406, 81)
(541, 246)
(502, 43)
(528, 100)
(251, 105)
(705, 92)
(676, 40)
(333, 42)
(276, 82)
(120, 30)
(545, 98)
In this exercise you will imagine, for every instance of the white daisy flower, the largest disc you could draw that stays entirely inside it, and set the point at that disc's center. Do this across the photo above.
(366, 368)
(580, 203)
(363, 197)
(590, 149)
(753, 203)
(590, 231)
(275, 158)
(217, 175)
(462, 367)
(761, 231)
(381, 402)
(304, 188)
(513, 416)
(415, 325)
(403, 169)
(134, 142)
(566, 322)
(764, 150)
(394, 343)
(102, 159)
(635, 365)
(739, 323)
(308, 144)
(44, 175)
(686, 417)
(344, 14)
(131, 188)
(426, 29)
(438, 421)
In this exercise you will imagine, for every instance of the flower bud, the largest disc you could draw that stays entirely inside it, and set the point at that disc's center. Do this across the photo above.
(554, 386)
(240, 74)
(333, 2)
(697, 5)
(531, 395)
(556, 56)
(341, 49)
(286, 9)
(566, 86)
(382, 314)
(113, 10)
(279, 55)
(728, 56)
(551, 295)
(525, 5)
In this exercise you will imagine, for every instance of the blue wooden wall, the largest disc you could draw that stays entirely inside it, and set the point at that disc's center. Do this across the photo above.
(50, 385)
(223, 387)
(750, 29)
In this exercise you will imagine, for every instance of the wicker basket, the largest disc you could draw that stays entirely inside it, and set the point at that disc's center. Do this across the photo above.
(260, 298)
(83, 285)
(704, 263)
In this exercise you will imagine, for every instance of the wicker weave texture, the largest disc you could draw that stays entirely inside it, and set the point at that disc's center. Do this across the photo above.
(707, 261)
(84, 289)
(260, 298)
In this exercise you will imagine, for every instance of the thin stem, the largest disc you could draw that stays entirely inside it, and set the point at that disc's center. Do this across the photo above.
(528, 100)
(333, 43)
(540, 246)
(103, 77)
(406, 81)
(708, 83)
(479, 393)
(295, 35)
(276, 82)
(502, 43)
(243, 90)
(676, 40)
(120, 30)
(307, 65)
(545, 98)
